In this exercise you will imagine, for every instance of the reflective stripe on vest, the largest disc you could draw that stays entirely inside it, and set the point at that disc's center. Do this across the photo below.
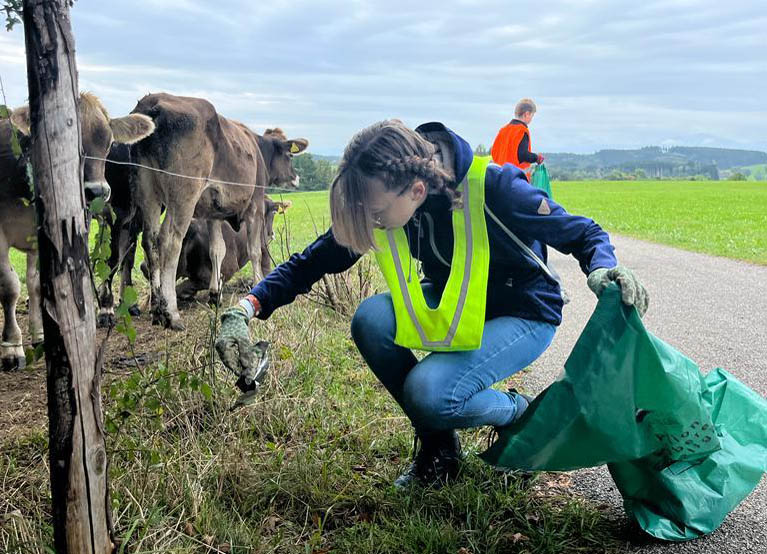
(459, 320)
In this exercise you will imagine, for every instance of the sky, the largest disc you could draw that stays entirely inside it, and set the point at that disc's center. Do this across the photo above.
(605, 74)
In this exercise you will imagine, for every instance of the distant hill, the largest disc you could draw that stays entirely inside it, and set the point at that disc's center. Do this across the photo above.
(653, 162)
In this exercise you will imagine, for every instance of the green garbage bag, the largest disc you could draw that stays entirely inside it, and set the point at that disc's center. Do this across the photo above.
(540, 179)
(689, 499)
(683, 450)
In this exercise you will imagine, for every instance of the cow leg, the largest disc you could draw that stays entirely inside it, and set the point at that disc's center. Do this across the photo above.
(255, 227)
(150, 240)
(187, 290)
(106, 317)
(127, 244)
(11, 349)
(123, 245)
(217, 251)
(126, 271)
(35, 299)
(266, 259)
(172, 232)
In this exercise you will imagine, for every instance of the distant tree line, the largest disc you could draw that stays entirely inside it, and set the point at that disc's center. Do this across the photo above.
(315, 172)
(696, 172)
(652, 162)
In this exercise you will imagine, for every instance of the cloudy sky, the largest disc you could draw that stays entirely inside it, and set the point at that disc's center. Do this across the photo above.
(605, 74)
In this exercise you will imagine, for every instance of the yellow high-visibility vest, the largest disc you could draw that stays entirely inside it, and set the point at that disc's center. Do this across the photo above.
(459, 320)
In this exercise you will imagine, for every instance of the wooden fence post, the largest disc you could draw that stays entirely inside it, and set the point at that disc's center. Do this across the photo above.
(78, 461)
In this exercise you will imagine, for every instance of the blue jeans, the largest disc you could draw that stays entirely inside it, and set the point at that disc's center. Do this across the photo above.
(448, 390)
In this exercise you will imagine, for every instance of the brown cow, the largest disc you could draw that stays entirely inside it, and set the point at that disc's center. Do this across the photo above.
(17, 215)
(194, 265)
(193, 140)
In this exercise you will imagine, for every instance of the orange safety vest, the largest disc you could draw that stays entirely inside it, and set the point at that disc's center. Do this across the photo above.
(506, 144)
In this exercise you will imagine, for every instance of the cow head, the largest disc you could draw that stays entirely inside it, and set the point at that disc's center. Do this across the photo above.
(272, 208)
(278, 152)
(99, 131)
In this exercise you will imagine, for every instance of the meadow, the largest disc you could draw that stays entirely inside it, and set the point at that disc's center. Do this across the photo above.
(722, 218)
(308, 467)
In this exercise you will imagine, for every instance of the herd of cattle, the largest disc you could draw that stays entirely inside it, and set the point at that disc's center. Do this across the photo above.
(209, 175)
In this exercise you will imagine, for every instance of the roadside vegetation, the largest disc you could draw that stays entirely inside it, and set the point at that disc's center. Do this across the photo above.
(308, 467)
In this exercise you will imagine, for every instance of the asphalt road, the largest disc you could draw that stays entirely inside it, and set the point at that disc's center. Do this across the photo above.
(713, 310)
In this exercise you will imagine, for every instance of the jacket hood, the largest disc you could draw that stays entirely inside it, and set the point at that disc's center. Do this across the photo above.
(461, 150)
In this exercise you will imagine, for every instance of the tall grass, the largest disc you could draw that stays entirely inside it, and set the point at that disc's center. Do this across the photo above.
(307, 468)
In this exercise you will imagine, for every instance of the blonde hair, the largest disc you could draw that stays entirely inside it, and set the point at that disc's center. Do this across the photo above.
(523, 106)
(391, 152)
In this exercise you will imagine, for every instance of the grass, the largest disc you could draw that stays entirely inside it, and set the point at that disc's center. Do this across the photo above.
(308, 467)
(723, 218)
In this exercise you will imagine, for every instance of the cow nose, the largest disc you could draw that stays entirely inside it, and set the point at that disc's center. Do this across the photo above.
(95, 190)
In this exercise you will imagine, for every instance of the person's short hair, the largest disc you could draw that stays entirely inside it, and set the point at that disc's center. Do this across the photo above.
(523, 106)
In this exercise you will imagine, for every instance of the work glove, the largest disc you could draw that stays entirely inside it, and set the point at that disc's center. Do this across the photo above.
(633, 292)
(540, 159)
(246, 360)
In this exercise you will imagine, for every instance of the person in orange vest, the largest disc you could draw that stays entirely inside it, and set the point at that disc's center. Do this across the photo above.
(512, 144)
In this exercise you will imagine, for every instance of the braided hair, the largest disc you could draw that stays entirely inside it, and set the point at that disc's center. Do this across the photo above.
(393, 153)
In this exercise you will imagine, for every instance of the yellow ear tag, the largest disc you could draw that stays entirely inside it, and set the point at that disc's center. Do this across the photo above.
(294, 148)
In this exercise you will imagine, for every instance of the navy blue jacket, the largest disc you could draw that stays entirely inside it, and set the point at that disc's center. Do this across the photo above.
(516, 284)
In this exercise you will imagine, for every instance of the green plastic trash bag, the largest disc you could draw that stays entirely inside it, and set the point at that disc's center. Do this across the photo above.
(671, 438)
(624, 395)
(689, 499)
(540, 179)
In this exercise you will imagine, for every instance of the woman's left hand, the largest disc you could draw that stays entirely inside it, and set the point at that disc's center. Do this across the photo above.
(633, 292)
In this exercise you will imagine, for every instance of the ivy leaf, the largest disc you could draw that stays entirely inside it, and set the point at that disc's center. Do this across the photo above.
(129, 296)
(101, 270)
(97, 205)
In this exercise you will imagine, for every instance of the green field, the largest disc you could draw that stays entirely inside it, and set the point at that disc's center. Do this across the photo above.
(723, 218)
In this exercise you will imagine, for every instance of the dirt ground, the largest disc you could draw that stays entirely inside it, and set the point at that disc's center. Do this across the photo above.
(23, 401)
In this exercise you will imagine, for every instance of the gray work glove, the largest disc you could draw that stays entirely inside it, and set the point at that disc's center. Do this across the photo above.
(246, 360)
(633, 292)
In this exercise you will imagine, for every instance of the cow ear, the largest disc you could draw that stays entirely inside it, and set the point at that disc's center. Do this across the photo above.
(295, 146)
(20, 119)
(131, 128)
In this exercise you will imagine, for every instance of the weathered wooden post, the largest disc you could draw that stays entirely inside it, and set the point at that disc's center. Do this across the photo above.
(77, 454)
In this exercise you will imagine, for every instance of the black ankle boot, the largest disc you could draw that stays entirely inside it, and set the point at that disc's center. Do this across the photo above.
(435, 463)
